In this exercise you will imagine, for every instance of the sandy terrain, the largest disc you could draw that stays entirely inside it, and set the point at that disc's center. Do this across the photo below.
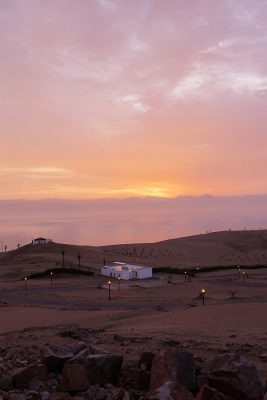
(152, 312)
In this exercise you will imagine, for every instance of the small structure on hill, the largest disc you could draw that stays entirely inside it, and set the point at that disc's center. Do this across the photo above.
(126, 271)
(40, 241)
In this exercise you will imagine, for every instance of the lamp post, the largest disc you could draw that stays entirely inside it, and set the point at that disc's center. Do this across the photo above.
(202, 294)
(238, 268)
(25, 284)
(243, 276)
(109, 284)
(79, 260)
(185, 275)
(63, 257)
(119, 280)
(51, 278)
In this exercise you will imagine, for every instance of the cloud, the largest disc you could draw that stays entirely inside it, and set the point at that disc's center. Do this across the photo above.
(38, 172)
(135, 102)
(204, 80)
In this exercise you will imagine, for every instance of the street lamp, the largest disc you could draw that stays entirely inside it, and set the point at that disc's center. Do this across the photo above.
(119, 280)
(109, 283)
(185, 275)
(25, 283)
(243, 276)
(51, 278)
(63, 257)
(238, 268)
(202, 294)
(79, 260)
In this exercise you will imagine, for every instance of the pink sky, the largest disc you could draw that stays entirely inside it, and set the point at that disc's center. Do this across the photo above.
(122, 98)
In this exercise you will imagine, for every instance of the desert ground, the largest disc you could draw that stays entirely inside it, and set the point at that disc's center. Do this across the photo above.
(154, 310)
(159, 312)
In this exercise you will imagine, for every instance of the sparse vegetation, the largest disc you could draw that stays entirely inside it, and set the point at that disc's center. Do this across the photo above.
(57, 271)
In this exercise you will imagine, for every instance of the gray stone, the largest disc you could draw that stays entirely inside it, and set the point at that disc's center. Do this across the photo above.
(55, 357)
(22, 377)
(208, 393)
(5, 381)
(173, 365)
(235, 376)
(74, 378)
(171, 391)
(103, 368)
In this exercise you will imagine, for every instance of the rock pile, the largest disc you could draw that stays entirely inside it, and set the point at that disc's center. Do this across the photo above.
(86, 372)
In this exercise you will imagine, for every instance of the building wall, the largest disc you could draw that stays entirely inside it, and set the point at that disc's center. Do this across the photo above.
(126, 274)
(144, 273)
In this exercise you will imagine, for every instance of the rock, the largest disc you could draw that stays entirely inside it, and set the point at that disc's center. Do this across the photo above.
(81, 357)
(171, 391)
(32, 395)
(142, 380)
(78, 347)
(119, 394)
(235, 376)
(146, 359)
(45, 395)
(173, 365)
(74, 378)
(22, 377)
(208, 393)
(60, 396)
(16, 396)
(103, 368)
(55, 357)
(5, 381)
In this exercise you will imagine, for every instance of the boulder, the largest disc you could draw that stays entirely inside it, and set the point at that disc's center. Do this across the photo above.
(146, 359)
(74, 378)
(78, 347)
(5, 381)
(60, 396)
(55, 357)
(171, 391)
(103, 368)
(208, 393)
(235, 376)
(173, 365)
(142, 380)
(80, 358)
(119, 394)
(22, 377)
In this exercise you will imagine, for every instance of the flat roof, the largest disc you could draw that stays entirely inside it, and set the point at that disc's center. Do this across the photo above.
(121, 267)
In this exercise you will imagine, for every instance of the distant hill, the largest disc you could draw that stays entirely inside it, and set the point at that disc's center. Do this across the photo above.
(218, 248)
(211, 249)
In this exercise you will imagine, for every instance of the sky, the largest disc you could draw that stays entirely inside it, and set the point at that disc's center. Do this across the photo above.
(104, 101)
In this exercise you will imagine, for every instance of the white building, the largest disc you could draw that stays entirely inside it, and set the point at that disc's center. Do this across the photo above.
(126, 271)
(41, 240)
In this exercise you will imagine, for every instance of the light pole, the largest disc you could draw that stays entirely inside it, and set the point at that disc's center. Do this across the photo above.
(202, 294)
(109, 284)
(79, 260)
(119, 280)
(238, 268)
(243, 276)
(63, 257)
(25, 284)
(185, 276)
(51, 278)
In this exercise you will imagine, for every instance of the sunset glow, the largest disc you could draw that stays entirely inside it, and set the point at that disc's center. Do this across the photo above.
(118, 98)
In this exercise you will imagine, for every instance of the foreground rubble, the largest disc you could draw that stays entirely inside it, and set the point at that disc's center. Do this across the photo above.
(66, 366)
